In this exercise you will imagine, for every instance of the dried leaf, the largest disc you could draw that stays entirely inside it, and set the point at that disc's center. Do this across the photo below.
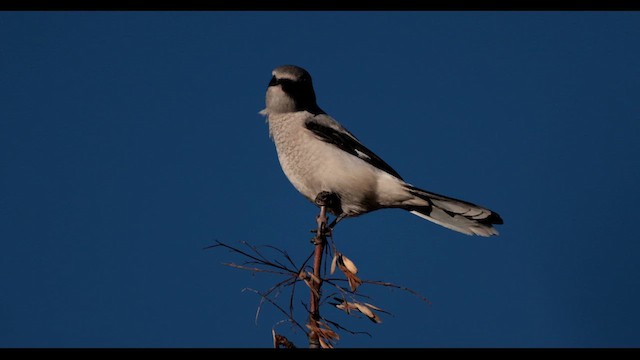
(349, 269)
(368, 313)
(376, 319)
(323, 344)
(328, 333)
(311, 287)
(342, 306)
(353, 279)
(372, 307)
(325, 334)
(333, 263)
(281, 341)
(314, 277)
(348, 264)
(365, 310)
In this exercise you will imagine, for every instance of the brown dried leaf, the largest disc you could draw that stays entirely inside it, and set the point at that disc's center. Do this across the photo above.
(312, 288)
(325, 334)
(365, 310)
(329, 334)
(343, 306)
(353, 279)
(376, 319)
(348, 264)
(333, 263)
(281, 341)
(368, 313)
(349, 269)
(323, 344)
(314, 277)
(372, 307)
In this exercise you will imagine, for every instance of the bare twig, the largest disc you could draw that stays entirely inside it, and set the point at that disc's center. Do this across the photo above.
(273, 288)
(255, 269)
(292, 320)
(338, 326)
(258, 260)
(284, 253)
(403, 288)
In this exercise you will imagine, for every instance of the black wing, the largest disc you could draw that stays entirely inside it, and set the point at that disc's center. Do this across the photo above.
(347, 142)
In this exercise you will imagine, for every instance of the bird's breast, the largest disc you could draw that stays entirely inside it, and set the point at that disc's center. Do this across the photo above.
(296, 155)
(313, 166)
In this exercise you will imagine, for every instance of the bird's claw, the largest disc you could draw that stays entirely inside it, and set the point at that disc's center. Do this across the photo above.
(324, 232)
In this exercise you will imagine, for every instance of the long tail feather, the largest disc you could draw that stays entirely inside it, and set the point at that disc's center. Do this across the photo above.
(455, 214)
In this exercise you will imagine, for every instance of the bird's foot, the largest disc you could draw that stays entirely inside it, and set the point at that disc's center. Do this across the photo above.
(331, 201)
(326, 198)
(326, 201)
(327, 230)
(324, 231)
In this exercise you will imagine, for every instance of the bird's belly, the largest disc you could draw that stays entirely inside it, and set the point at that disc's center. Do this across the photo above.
(324, 167)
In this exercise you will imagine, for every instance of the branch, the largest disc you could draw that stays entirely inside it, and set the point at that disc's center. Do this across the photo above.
(403, 288)
(292, 320)
(258, 260)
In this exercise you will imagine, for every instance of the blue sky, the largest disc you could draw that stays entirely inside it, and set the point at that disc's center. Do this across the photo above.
(131, 140)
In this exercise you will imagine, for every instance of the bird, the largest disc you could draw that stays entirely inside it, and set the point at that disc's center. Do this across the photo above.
(320, 157)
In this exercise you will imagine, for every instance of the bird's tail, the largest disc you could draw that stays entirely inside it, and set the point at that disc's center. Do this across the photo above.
(455, 214)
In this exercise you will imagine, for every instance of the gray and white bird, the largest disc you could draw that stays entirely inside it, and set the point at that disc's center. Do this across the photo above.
(319, 155)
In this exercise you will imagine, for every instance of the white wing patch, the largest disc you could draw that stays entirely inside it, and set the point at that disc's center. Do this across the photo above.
(362, 155)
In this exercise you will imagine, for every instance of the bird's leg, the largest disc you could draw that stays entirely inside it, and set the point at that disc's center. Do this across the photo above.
(322, 225)
(323, 200)
(336, 221)
(326, 200)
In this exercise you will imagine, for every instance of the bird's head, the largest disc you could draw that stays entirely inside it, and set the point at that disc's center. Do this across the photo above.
(290, 90)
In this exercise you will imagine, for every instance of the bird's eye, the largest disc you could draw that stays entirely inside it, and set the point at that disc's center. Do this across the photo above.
(274, 81)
